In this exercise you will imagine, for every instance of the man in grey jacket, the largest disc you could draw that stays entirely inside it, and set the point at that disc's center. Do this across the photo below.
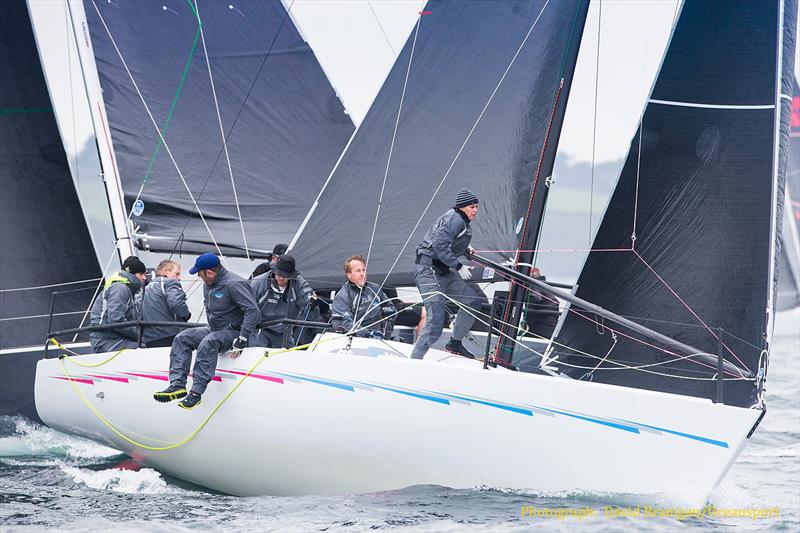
(281, 293)
(362, 303)
(164, 301)
(116, 304)
(232, 317)
(442, 270)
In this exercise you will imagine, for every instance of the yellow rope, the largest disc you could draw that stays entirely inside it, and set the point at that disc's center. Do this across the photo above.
(87, 365)
(194, 433)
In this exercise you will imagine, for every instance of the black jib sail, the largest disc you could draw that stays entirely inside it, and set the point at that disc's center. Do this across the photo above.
(475, 86)
(694, 221)
(789, 269)
(284, 126)
(45, 243)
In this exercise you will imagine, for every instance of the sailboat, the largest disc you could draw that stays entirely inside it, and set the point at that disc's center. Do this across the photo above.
(171, 105)
(629, 404)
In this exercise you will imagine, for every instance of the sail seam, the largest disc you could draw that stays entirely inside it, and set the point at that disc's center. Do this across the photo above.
(710, 106)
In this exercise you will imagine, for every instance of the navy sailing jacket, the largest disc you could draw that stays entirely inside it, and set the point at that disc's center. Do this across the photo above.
(447, 239)
(230, 304)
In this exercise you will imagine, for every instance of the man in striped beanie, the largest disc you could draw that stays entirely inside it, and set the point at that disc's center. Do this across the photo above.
(442, 271)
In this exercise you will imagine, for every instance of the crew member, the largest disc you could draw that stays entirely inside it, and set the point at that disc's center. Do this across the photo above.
(442, 270)
(115, 305)
(281, 293)
(164, 301)
(232, 317)
(362, 303)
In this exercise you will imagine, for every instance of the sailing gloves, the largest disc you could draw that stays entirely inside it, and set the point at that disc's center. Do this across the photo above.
(465, 272)
(240, 343)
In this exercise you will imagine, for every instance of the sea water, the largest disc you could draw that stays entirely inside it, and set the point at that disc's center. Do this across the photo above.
(49, 480)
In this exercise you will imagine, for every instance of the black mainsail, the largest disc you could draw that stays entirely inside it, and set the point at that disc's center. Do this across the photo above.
(697, 208)
(478, 82)
(283, 123)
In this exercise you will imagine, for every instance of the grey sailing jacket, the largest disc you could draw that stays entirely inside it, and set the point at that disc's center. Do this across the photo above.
(163, 301)
(230, 304)
(447, 239)
(293, 301)
(352, 303)
(116, 304)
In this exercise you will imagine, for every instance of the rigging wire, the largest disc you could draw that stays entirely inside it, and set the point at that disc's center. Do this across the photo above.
(464, 144)
(155, 125)
(385, 36)
(594, 120)
(688, 308)
(221, 129)
(238, 114)
(389, 162)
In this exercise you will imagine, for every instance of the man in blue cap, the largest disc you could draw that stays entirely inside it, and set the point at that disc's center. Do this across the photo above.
(442, 270)
(232, 317)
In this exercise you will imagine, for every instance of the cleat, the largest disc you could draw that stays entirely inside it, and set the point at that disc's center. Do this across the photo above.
(173, 392)
(456, 347)
(191, 401)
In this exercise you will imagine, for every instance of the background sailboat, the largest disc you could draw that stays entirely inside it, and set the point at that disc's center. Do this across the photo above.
(46, 243)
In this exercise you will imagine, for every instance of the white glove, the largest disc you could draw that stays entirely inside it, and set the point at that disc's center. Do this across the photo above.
(465, 272)
(470, 250)
(508, 262)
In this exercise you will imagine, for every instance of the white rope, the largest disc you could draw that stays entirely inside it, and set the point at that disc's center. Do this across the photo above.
(221, 130)
(158, 130)
(464, 144)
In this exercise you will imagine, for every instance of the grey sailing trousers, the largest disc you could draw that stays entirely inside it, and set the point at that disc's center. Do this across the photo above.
(429, 282)
(209, 344)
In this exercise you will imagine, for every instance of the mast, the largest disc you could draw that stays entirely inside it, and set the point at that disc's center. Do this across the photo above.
(57, 35)
(532, 219)
(105, 146)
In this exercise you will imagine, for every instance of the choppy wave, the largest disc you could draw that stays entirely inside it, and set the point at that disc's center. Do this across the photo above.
(143, 481)
(30, 440)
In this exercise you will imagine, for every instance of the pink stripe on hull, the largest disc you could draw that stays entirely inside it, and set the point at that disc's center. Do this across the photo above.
(112, 378)
(258, 376)
(151, 376)
(77, 380)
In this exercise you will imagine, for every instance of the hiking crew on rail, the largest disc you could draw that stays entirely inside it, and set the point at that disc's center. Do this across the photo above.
(232, 318)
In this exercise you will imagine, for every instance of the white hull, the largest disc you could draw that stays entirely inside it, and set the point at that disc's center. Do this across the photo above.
(324, 422)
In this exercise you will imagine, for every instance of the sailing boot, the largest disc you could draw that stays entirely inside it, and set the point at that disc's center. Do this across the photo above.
(456, 347)
(191, 401)
(173, 392)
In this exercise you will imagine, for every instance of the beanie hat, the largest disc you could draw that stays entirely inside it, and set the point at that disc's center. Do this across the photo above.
(280, 249)
(134, 265)
(464, 198)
